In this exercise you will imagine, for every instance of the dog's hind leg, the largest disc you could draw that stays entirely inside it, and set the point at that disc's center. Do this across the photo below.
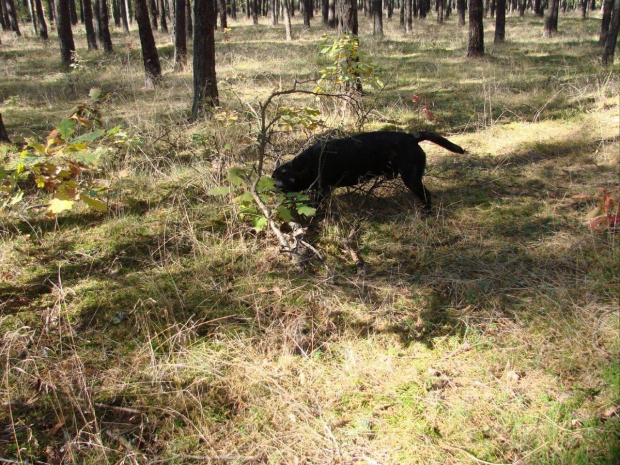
(412, 177)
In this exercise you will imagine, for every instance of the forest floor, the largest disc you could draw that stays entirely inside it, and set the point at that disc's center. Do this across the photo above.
(166, 331)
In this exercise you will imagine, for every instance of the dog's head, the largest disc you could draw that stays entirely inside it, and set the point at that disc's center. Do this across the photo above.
(291, 178)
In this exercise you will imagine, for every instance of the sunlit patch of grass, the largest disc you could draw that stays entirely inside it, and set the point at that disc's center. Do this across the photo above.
(166, 328)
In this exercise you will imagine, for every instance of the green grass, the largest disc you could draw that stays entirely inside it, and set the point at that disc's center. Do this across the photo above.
(165, 329)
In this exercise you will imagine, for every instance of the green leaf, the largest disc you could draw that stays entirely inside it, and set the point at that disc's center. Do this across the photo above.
(220, 191)
(89, 136)
(284, 213)
(66, 128)
(235, 176)
(95, 93)
(244, 199)
(306, 210)
(93, 203)
(265, 184)
(58, 206)
(260, 222)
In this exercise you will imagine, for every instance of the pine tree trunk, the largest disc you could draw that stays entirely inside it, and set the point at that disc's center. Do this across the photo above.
(180, 38)
(347, 17)
(461, 6)
(41, 19)
(10, 6)
(152, 69)
(408, 16)
(287, 19)
(162, 16)
(91, 36)
(222, 10)
(500, 22)
(4, 136)
(476, 29)
(608, 6)
(307, 13)
(377, 18)
(205, 83)
(607, 58)
(154, 14)
(103, 20)
(65, 35)
(189, 25)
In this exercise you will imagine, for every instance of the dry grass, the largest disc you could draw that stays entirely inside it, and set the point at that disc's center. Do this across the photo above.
(166, 332)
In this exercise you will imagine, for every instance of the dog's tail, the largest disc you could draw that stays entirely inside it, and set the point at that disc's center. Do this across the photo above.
(437, 139)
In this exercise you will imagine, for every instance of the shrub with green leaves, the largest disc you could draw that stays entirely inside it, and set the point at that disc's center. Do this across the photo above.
(283, 206)
(348, 66)
(66, 165)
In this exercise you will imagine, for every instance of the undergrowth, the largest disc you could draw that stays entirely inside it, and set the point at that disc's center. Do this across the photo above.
(166, 330)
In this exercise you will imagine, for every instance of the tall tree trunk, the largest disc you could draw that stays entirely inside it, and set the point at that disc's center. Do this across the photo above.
(347, 17)
(500, 22)
(286, 11)
(154, 14)
(205, 83)
(51, 9)
(221, 4)
(274, 12)
(440, 10)
(551, 22)
(91, 37)
(461, 6)
(608, 6)
(189, 25)
(152, 69)
(4, 16)
(4, 136)
(408, 16)
(124, 16)
(41, 19)
(65, 35)
(255, 9)
(180, 38)
(162, 16)
(607, 57)
(33, 17)
(377, 18)
(103, 20)
(73, 12)
(475, 47)
(307, 13)
(331, 20)
(10, 6)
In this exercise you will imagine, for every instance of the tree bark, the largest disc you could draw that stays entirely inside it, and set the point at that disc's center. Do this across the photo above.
(408, 16)
(551, 21)
(91, 36)
(154, 14)
(307, 13)
(124, 16)
(607, 58)
(189, 25)
(475, 47)
(461, 6)
(377, 17)
(103, 20)
(221, 4)
(500, 22)
(608, 6)
(162, 16)
(347, 17)
(4, 136)
(180, 38)
(286, 11)
(10, 6)
(41, 19)
(152, 68)
(65, 35)
(205, 83)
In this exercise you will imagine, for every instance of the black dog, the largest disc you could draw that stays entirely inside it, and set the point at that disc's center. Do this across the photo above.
(352, 160)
